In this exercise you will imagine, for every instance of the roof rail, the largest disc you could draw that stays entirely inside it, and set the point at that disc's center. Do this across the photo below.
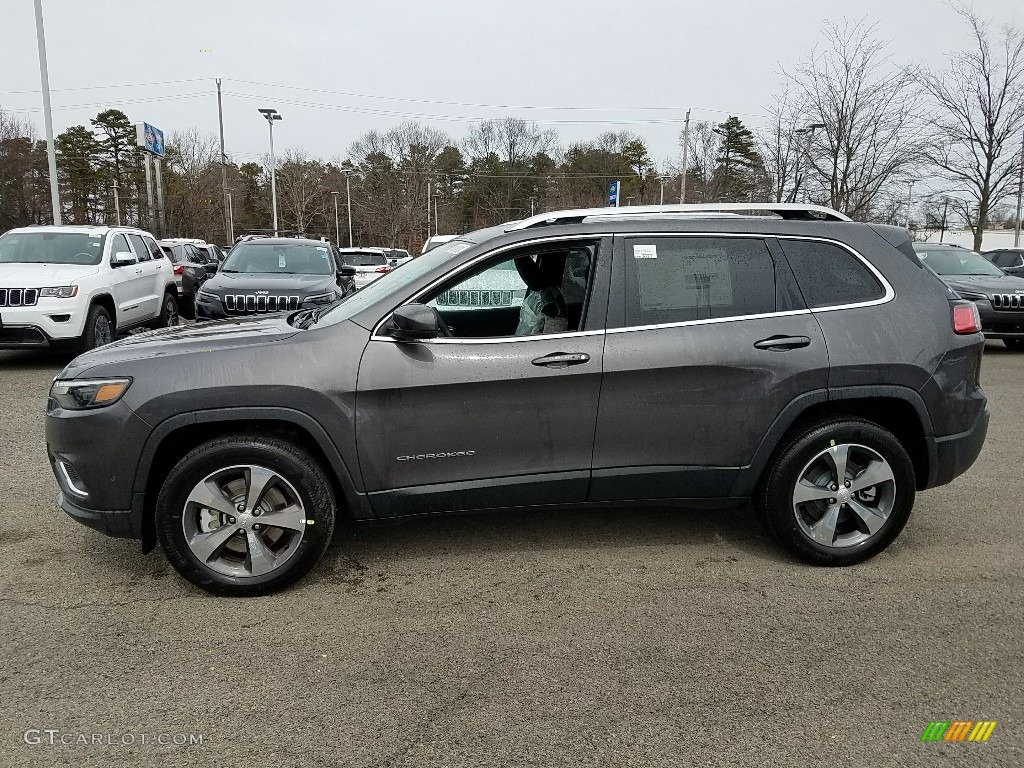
(783, 210)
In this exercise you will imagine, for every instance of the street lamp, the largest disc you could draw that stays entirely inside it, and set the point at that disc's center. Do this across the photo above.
(348, 199)
(910, 192)
(804, 153)
(271, 115)
(337, 230)
(44, 78)
(437, 196)
(663, 180)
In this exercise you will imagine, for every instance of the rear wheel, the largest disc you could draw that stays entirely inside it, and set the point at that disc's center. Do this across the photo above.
(245, 515)
(839, 492)
(1015, 344)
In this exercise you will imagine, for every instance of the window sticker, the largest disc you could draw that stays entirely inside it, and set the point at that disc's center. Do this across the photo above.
(645, 251)
(692, 279)
(280, 261)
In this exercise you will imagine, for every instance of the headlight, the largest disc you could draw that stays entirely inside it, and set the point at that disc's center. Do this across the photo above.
(204, 296)
(321, 298)
(971, 296)
(64, 292)
(80, 394)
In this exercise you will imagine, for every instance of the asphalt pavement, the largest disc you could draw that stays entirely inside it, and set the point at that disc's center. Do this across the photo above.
(635, 637)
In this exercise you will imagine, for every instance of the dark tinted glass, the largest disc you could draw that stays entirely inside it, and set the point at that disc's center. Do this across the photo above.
(365, 259)
(678, 279)
(830, 275)
(154, 249)
(141, 251)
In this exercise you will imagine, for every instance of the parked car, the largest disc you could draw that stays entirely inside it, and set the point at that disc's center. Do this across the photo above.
(370, 263)
(792, 357)
(189, 272)
(998, 296)
(397, 257)
(213, 256)
(1010, 260)
(268, 275)
(435, 240)
(73, 288)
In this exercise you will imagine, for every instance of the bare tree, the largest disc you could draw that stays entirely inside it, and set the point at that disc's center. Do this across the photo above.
(979, 120)
(193, 186)
(869, 110)
(780, 147)
(302, 190)
(701, 182)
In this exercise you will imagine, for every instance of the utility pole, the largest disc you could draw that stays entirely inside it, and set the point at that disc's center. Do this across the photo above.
(348, 199)
(686, 149)
(160, 195)
(150, 207)
(945, 207)
(271, 115)
(228, 228)
(117, 205)
(437, 196)
(1020, 196)
(337, 229)
(662, 180)
(51, 153)
(231, 219)
(428, 208)
(910, 190)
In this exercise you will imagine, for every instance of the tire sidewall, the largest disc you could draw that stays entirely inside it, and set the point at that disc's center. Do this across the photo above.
(778, 492)
(165, 311)
(89, 333)
(293, 465)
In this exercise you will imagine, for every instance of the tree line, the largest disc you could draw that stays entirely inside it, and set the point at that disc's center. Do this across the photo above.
(848, 129)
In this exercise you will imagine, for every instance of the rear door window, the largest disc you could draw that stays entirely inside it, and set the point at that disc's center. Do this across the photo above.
(679, 279)
(154, 249)
(141, 251)
(829, 275)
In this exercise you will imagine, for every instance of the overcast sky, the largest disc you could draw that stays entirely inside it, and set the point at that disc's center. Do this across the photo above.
(336, 69)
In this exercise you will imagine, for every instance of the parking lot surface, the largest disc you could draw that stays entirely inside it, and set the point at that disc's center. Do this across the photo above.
(636, 637)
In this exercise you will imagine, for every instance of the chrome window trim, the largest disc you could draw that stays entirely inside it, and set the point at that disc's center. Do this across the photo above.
(888, 295)
(80, 492)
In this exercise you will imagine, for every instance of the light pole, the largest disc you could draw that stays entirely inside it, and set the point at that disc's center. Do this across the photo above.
(686, 149)
(231, 217)
(44, 77)
(348, 200)
(804, 153)
(337, 230)
(663, 180)
(910, 191)
(437, 196)
(271, 115)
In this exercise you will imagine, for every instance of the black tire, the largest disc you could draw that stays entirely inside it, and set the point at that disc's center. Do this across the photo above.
(295, 466)
(168, 312)
(775, 500)
(99, 329)
(1015, 344)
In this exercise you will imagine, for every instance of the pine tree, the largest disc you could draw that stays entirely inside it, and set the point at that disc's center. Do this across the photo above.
(738, 162)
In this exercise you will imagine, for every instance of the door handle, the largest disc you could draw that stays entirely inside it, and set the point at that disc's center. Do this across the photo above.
(138, 271)
(562, 359)
(782, 343)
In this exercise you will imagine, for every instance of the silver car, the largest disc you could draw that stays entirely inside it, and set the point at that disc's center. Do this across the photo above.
(370, 263)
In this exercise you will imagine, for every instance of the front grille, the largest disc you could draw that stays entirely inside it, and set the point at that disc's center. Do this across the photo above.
(1007, 301)
(251, 302)
(19, 297)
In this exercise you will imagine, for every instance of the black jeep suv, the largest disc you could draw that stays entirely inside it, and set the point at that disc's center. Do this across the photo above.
(274, 275)
(675, 354)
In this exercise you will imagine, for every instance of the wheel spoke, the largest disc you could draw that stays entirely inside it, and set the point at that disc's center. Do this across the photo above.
(878, 472)
(210, 495)
(839, 455)
(824, 531)
(206, 545)
(258, 479)
(806, 491)
(261, 559)
(872, 519)
(292, 517)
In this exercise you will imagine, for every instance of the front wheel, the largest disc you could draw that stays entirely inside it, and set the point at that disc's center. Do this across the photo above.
(245, 515)
(839, 492)
(168, 312)
(99, 329)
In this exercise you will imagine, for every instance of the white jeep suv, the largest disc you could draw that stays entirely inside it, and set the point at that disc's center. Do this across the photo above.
(75, 287)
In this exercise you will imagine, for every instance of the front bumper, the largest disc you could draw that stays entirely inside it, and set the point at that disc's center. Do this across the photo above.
(48, 321)
(122, 524)
(999, 323)
(952, 455)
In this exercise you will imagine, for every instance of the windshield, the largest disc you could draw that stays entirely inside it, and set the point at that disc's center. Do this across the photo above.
(364, 259)
(409, 272)
(279, 258)
(958, 261)
(51, 248)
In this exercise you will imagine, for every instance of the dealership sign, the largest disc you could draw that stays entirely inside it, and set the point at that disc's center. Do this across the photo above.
(150, 139)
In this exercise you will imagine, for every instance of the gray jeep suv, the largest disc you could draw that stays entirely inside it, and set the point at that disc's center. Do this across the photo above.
(678, 354)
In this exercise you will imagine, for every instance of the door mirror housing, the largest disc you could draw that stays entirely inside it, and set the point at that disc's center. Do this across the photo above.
(347, 270)
(415, 322)
(122, 259)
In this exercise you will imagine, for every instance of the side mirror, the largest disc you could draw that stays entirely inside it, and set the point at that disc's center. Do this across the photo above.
(122, 259)
(415, 322)
(347, 270)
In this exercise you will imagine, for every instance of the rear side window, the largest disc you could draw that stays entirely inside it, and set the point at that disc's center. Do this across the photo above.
(829, 275)
(141, 251)
(680, 279)
(154, 249)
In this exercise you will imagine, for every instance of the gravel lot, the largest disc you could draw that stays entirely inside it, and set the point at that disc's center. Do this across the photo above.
(628, 637)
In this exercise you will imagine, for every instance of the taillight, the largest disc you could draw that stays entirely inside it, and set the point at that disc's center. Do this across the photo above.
(179, 269)
(966, 318)
(383, 270)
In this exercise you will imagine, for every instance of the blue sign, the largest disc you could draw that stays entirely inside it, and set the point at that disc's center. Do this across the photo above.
(150, 139)
(613, 194)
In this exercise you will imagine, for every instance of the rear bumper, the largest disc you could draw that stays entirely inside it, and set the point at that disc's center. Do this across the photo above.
(952, 455)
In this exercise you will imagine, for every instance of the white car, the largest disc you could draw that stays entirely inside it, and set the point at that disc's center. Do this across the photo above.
(370, 263)
(75, 287)
(435, 240)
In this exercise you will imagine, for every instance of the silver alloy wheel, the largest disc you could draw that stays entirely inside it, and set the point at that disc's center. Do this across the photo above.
(171, 311)
(243, 521)
(101, 331)
(844, 495)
